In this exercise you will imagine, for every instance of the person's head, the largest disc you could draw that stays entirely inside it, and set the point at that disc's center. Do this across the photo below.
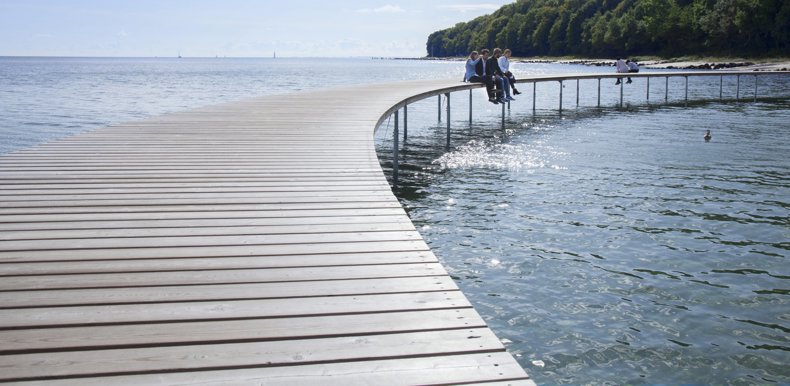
(473, 55)
(507, 53)
(497, 52)
(627, 61)
(484, 52)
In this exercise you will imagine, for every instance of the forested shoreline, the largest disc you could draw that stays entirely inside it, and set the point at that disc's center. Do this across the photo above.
(609, 28)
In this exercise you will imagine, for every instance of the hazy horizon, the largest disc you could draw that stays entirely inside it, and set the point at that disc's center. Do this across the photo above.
(235, 28)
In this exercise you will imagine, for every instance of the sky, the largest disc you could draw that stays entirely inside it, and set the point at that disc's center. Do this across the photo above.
(232, 28)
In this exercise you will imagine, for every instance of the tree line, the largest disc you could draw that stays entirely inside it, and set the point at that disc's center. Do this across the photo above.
(609, 28)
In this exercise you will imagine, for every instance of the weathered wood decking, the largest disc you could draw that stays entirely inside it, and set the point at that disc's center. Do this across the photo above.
(255, 242)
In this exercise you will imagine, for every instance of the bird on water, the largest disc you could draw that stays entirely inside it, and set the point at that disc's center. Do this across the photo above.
(707, 136)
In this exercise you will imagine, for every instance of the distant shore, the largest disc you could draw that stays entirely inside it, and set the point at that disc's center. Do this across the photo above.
(763, 64)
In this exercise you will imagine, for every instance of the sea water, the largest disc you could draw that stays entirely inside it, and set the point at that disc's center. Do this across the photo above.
(603, 246)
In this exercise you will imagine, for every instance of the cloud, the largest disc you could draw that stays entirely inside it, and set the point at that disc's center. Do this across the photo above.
(383, 9)
(463, 8)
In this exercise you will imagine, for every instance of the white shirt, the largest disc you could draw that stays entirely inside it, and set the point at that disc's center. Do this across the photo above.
(504, 64)
(621, 66)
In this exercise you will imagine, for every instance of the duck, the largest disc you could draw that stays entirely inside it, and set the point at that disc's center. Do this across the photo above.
(707, 136)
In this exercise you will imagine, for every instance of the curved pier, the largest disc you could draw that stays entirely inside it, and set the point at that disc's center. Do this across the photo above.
(255, 241)
(250, 242)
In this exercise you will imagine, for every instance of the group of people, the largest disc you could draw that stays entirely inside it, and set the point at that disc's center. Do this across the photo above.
(494, 71)
(625, 66)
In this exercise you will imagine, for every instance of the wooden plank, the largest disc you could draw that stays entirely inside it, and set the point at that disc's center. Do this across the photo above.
(214, 251)
(139, 228)
(237, 309)
(264, 290)
(143, 279)
(209, 263)
(254, 354)
(101, 212)
(485, 368)
(226, 331)
(194, 241)
(276, 198)
(22, 221)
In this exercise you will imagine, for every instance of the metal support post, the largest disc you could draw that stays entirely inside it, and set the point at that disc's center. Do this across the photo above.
(647, 93)
(447, 96)
(621, 93)
(687, 90)
(405, 122)
(666, 90)
(738, 88)
(439, 107)
(503, 115)
(395, 151)
(470, 106)
(577, 93)
(560, 96)
(534, 84)
(599, 92)
(721, 87)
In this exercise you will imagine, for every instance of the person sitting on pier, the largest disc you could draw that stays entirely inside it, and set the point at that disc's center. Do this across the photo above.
(501, 80)
(621, 69)
(474, 68)
(632, 67)
(488, 69)
(504, 65)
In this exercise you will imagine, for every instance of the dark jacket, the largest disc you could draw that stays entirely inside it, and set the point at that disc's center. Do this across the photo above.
(479, 68)
(492, 67)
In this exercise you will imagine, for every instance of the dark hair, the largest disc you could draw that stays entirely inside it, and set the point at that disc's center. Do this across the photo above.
(484, 51)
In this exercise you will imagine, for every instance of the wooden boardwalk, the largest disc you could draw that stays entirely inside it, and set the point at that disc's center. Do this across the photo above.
(255, 242)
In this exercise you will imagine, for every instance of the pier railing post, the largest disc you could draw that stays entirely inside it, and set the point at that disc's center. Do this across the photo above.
(647, 93)
(577, 93)
(534, 84)
(560, 96)
(599, 92)
(686, 98)
(439, 107)
(503, 115)
(395, 151)
(738, 88)
(721, 87)
(447, 96)
(666, 89)
(405, 122)
(621, 93)
(470, 106)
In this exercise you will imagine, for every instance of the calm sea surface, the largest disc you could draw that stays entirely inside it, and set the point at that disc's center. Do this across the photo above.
(604, 246)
